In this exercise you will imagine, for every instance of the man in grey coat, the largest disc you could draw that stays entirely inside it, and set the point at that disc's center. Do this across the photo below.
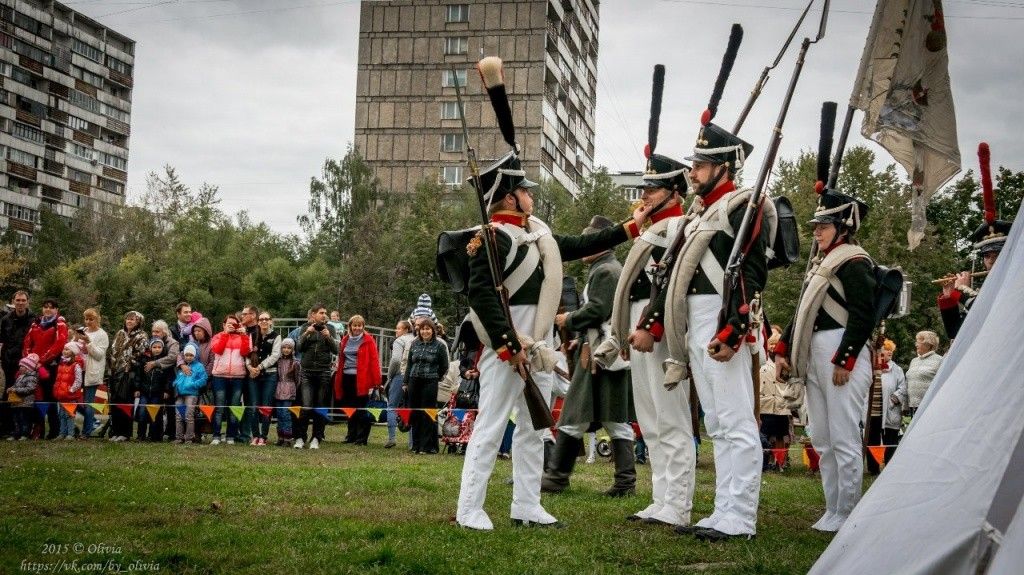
(599, 395)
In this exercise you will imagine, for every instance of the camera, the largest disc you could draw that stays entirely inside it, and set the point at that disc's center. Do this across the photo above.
(80, 329)
(319, 326)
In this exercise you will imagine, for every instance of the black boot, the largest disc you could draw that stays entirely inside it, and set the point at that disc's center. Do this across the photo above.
(549, 451)
(563, 460)
(625, 469)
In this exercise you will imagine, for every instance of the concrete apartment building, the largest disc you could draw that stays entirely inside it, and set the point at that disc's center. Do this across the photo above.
(65, 104)
(406, 123)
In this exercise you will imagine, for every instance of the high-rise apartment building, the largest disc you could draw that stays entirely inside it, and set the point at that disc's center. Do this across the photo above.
(65, 104)
(411, 54)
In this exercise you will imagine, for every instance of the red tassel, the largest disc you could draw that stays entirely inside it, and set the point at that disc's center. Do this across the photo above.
(987, 194)
(647, 151)
(705, 117)
(819, 187)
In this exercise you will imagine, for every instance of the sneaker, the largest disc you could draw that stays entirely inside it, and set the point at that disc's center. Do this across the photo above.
(299, 444)
(255, 441)
(315, 444)
(262, 442)
(389, 445)
(230, 441)
(591, 459)
(216, 441)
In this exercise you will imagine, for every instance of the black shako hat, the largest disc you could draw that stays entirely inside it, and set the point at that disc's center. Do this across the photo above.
(990, 237)
(664, 172)
(717, 145)
(839, 209)
(502, 177)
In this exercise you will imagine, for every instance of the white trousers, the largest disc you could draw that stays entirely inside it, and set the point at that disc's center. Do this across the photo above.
(615, 429)
(664, 418)
(501, 392)
(835, 413)
(726, 393)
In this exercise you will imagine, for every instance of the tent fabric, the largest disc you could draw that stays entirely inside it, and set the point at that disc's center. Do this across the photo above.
(941, 505)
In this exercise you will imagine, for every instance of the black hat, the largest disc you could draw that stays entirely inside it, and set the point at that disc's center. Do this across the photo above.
(664, 172)
(839, 209)
(502, 178)
(598, 223)
(990, 237)
(717, 145)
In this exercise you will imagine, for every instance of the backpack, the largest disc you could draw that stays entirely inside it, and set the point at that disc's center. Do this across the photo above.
(452, 260)
(468, 394)
(888, 288)
(786, 243)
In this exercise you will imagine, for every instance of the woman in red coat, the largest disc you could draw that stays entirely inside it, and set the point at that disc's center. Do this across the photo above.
(357, 375)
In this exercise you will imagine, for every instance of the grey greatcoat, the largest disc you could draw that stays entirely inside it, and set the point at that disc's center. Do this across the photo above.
(605, 396)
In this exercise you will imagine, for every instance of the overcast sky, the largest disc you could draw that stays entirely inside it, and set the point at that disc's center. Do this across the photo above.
(253, 95)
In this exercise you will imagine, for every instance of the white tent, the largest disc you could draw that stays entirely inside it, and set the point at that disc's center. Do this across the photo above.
(948, 501)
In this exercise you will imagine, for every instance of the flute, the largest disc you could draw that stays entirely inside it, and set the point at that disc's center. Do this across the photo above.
(952, 277)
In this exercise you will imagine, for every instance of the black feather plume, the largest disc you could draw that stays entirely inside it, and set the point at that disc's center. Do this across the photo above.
(828, 124)
(503, 112)
(657, 88)
(735, 37)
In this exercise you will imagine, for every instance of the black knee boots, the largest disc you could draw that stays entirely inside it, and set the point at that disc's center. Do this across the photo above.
(556, 477)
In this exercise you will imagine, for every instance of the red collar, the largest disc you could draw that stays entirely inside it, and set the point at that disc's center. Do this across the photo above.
(835, 245)
(670, 212)
(885, 366)
(510, 217)
(718, 192)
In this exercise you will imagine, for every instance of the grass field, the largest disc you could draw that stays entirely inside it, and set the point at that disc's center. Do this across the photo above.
(167, 508)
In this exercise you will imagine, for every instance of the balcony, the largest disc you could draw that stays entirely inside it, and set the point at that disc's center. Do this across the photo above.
(30, 64)
(115, 174)
(123, 79)
(21, 170)
(28, 118)
(79, 187)
(59, 90)
(83, 138)
(21, 225)
(53, 167)
(118, 126)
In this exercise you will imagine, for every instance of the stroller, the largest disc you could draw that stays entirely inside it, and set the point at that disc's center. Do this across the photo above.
(458, 415)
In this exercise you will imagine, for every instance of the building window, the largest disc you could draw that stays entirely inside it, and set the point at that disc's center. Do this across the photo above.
(79, 176)
(22, 76)
(28, 133)
(452, 142)
(111, 186)
(83, 49)
(21, 212)
(549, 147)
(457, 45)
(87, 76)
(449, 79)
(24, 158)
(450, 110)
(85, 101)
(119, 66)
(80, 151)
(115, 113)
(451, 175)
(632, 194)
(78, 124)
(113, 161)
(456, 13)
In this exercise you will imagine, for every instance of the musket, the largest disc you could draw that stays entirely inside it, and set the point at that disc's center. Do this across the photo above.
(540, 414)
(763, 80)
(755, 205)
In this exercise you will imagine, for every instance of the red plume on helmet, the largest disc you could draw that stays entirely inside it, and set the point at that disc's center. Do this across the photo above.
(987, 195)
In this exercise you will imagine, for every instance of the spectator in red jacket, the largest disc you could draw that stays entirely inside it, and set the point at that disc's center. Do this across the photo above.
(358, 373)
(46, 338)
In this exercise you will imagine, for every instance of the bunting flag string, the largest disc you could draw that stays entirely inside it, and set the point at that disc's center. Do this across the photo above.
(71, 408)
(432, 414)
(295, 409)
(237, 410)
(878, 453)
(153, 410)
(207, 411)
(182, 408)
(265, 411)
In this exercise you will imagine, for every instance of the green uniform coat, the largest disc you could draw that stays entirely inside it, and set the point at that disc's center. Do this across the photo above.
(607, 395)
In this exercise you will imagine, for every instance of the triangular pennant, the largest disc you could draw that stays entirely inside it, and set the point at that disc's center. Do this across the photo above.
(101, 393)
(126, 408)
(432, 414)
(404, 413)
(207, 411)
(265, 411)
(348, 411)
(374, 412)
(321, 411)
(296, 410)
(42, 407)
(878, 452)
(780, 456)
(459, 414)
(237, 410)
(71, 408)
(181, 409)
(804, 458)
(100, 408)
(154, 411)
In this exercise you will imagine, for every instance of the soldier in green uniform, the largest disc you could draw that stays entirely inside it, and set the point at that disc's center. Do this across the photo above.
(531, 258)
(599, 395)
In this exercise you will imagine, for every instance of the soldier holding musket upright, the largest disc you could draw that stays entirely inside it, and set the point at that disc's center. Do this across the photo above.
(957, 292)
(531, 257)
(637, 322)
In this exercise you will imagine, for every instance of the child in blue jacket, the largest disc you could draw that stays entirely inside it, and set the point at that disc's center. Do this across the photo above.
(190, 380)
